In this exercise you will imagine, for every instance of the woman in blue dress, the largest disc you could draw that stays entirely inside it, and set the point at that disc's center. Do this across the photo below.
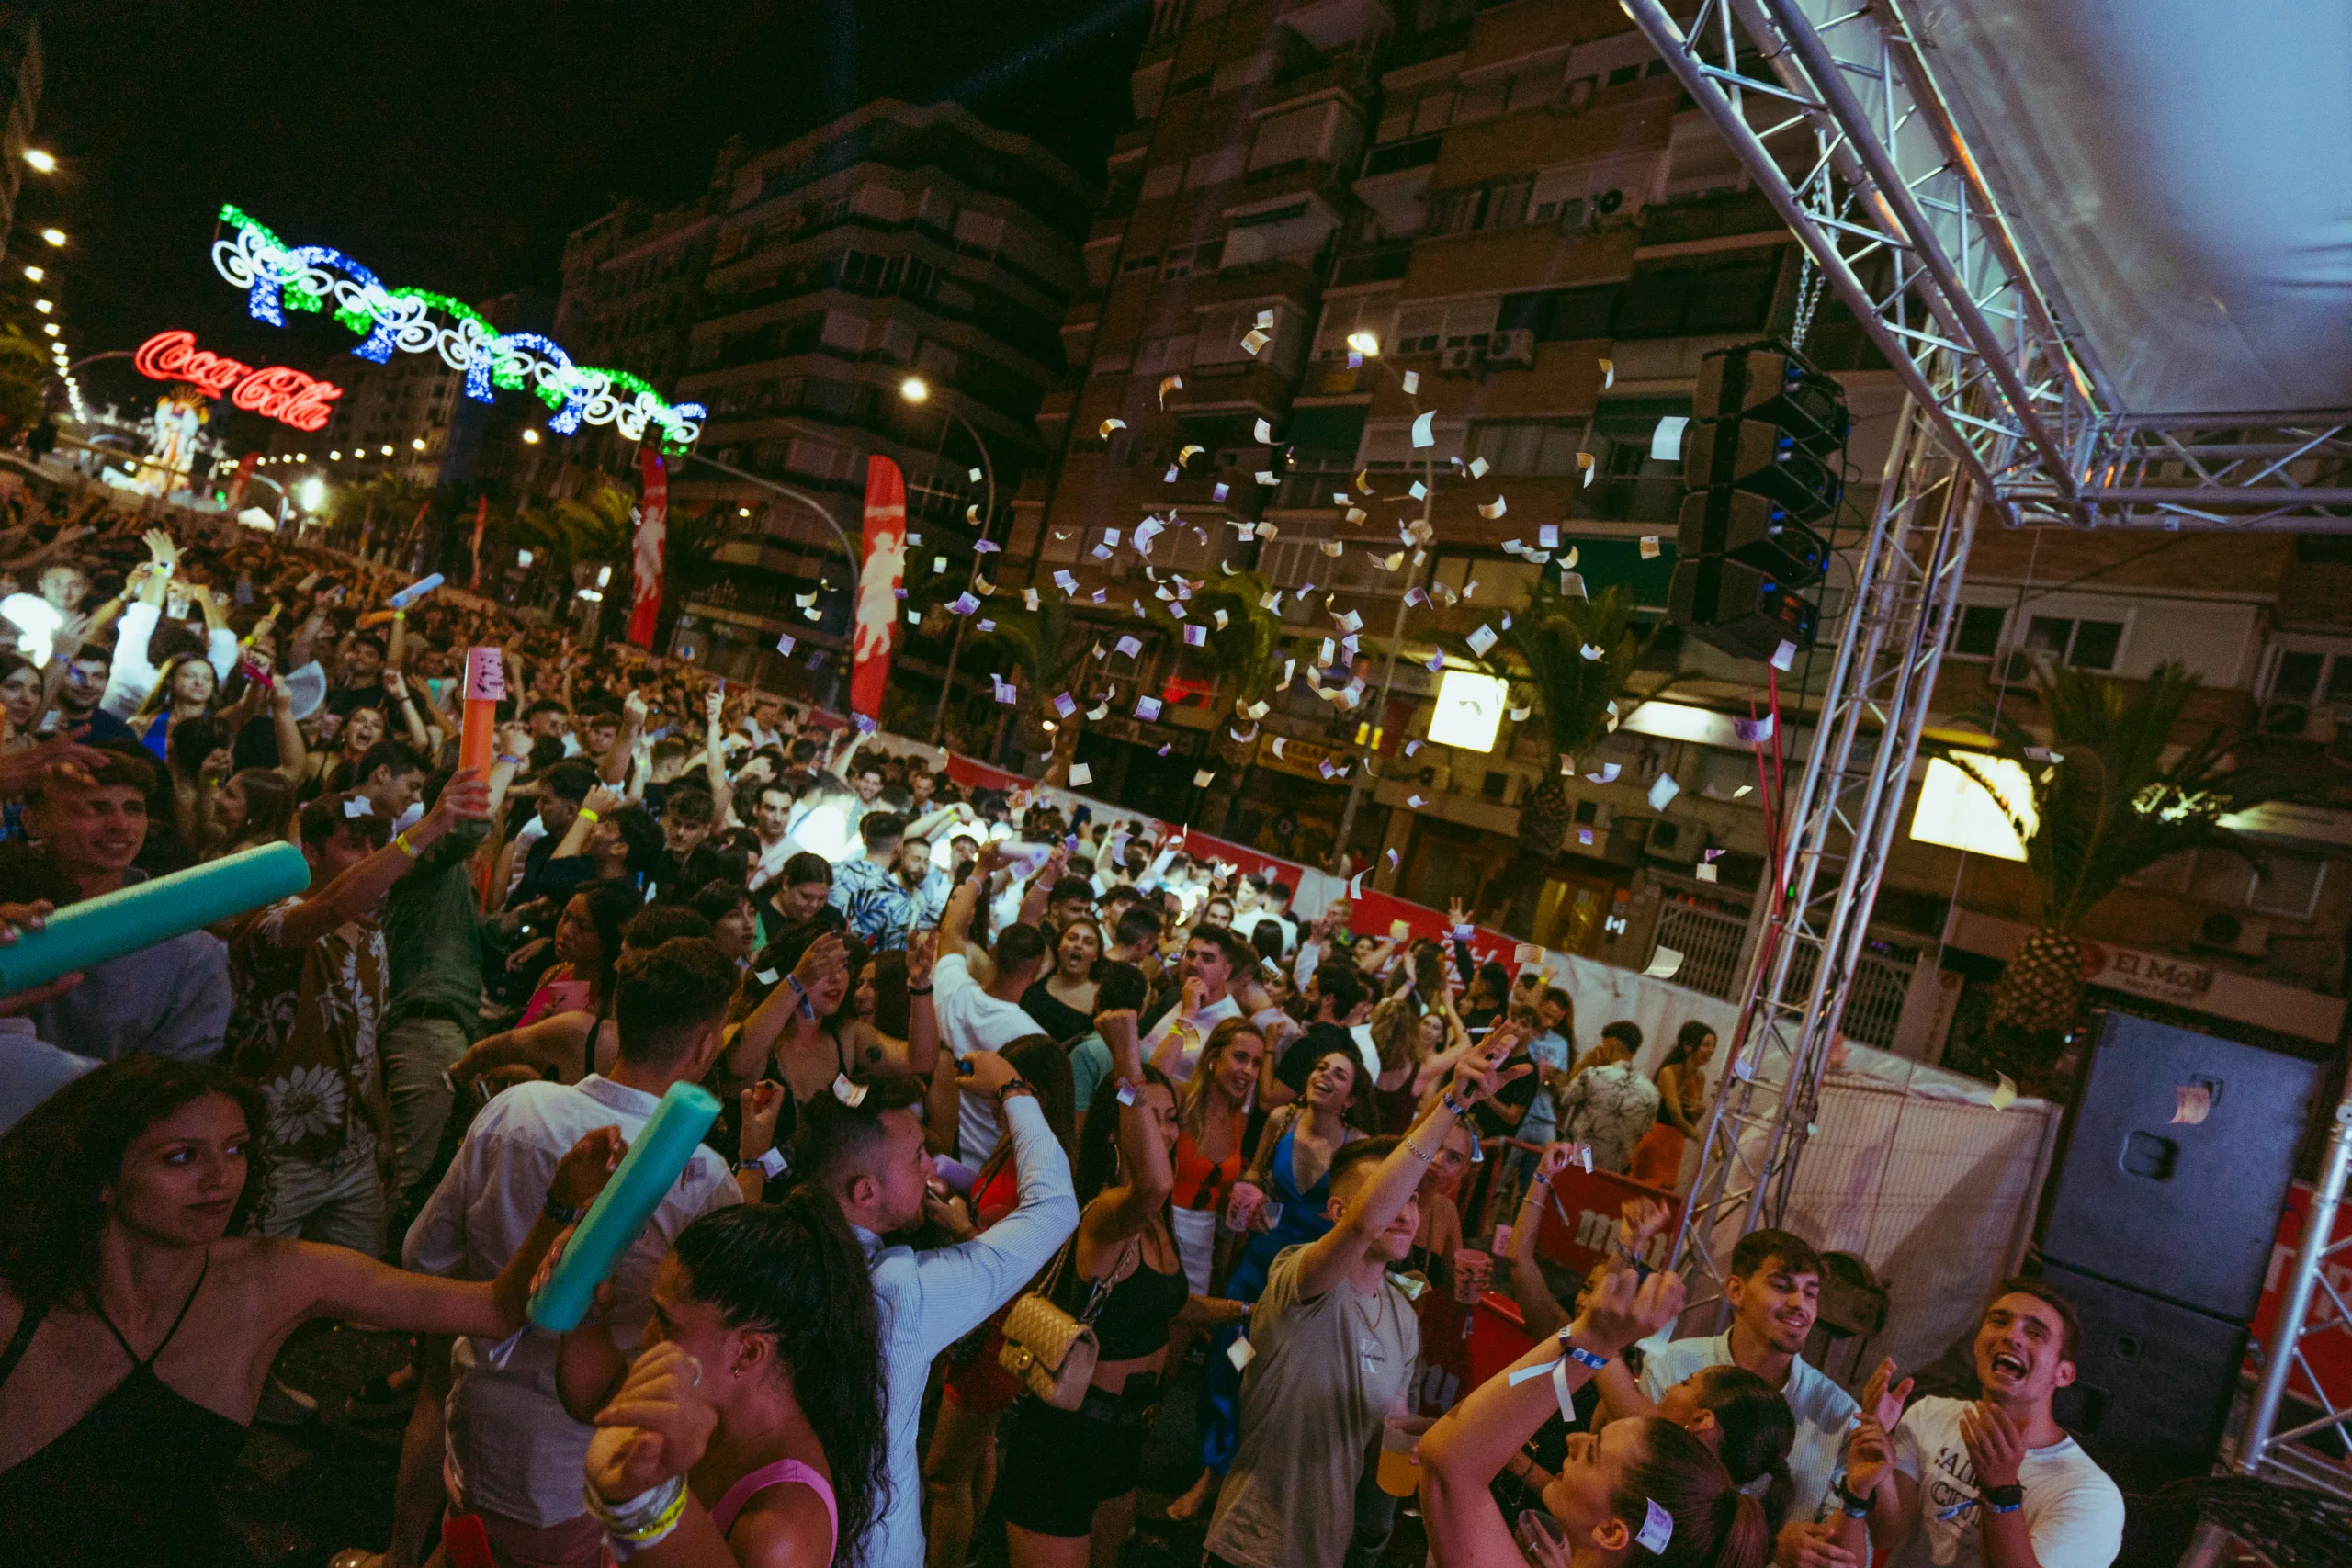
(1292, 1168)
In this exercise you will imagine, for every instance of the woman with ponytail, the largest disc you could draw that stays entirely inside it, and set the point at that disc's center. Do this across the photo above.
(750, 1429)
(1645, 1492)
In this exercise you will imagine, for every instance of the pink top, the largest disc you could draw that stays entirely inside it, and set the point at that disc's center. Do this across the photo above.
(777, 1474)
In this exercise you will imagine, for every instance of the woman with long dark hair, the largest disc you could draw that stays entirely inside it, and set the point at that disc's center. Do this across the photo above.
(1681, 1082)
(753, 1418)
(1062, 999)
(255, 807)
(136, 1330)
(1068, 1488)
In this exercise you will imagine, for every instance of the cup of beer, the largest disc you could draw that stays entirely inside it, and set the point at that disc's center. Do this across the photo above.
(1401, 1459)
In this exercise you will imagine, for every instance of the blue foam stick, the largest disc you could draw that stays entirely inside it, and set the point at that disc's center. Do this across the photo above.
(414, 592)
(655, 1158)
(112, 924)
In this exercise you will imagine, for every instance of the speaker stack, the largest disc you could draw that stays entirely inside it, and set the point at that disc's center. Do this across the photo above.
(2160, 1229)
(1761, 460)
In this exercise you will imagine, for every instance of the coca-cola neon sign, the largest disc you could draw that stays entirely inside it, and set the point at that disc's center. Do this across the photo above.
(279, 393)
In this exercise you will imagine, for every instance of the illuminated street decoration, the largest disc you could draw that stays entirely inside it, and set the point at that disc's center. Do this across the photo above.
(278, 277)
(280, 392)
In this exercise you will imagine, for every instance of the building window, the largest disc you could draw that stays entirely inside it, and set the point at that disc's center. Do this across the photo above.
(2082, 645)
(1525, 446)
(1977, 631)
(1138, 264)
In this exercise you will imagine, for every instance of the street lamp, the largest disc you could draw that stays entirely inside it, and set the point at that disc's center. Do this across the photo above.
(314, 494)
(42, 162)
(54, 236)
(915, 389)
(530, 439)
(1365, 344)
(44, 306)
(35, 274)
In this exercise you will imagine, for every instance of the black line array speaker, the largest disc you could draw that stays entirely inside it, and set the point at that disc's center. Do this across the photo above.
(1762, 459)
(2159, 1229)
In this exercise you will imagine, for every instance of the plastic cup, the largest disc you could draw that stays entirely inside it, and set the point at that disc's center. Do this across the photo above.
(1474, 1271)
(1400, 1460)
(1242, 1205)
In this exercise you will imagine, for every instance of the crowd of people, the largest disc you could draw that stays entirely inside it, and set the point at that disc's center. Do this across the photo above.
(993, 1070)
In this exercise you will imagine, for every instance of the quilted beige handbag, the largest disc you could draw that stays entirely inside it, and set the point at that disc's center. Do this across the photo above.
(1051, 1352)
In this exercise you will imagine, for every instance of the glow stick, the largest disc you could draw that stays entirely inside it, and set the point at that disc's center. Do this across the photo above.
(485, 688)
(655, 1158)
(83, 935)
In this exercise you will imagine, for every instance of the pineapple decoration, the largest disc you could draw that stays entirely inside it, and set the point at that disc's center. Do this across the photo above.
(2043, 988)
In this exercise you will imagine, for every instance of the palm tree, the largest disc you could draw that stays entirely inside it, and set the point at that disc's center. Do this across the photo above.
(691, 544)
(1244, 654)
(1553, 640)
(398, 505)
(1041, 651)
(594, 530)
(2110, 797)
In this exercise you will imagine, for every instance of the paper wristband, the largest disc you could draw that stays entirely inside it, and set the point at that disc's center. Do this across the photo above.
(83, 935)
(656, 1158)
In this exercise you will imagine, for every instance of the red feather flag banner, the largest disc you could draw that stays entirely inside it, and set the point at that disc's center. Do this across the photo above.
(878, 578)
(652, 533)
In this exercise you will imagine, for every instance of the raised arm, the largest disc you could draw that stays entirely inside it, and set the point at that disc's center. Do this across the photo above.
(1393, 1185)
(355, 891)
(613, 766)
(959, 1286)
(1146, 1177)
(1040, 888)
(1471, 1443)
(336, 1281)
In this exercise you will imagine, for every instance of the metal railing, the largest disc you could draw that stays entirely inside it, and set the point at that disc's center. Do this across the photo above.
(1710, 944)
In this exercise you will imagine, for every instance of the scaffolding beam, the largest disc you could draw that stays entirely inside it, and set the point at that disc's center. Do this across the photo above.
(1837, 119)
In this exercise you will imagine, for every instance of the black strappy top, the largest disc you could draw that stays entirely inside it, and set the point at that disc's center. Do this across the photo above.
(137, 1480)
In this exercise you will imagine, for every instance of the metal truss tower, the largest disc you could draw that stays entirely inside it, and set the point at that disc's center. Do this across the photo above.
(1832, 109)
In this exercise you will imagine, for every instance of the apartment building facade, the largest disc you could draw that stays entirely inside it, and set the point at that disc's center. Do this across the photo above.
(891, 283)
(1511, 205)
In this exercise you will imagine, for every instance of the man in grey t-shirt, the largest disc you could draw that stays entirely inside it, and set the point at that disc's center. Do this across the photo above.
(1334, 1339)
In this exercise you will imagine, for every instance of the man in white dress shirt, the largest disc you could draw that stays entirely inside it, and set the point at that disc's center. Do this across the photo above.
(515, 1456)
(871, 1157)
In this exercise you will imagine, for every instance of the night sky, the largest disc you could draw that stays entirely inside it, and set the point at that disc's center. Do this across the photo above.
(451, 147)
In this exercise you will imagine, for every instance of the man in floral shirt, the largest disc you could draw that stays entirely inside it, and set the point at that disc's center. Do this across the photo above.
(310, 975)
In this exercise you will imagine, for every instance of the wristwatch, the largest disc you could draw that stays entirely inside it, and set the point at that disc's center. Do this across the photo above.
(770, 1165)
(560, 1214)
(1854, 1507)
(1015, 1086)
(2003, 1499)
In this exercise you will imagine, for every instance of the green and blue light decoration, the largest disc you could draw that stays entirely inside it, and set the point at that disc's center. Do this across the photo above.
(279, 278)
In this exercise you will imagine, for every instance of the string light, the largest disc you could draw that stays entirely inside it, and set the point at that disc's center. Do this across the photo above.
(278, 276)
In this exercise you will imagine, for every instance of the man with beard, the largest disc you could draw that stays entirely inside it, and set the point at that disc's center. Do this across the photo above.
(1774, 1289)
(1994, 1481)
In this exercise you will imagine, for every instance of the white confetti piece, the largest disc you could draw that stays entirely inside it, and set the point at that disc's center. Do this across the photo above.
(1608, 775)
(1663, 791)
(1584, 836)
(1147, 708)
(1196, 635)
(1567, 765)
(1572, 585)
(1392, 860)
(1186, 453)
(1411, 747)
(1499, 505)
(1129, 647)
(1221, 491)
(1415, 801)
(1064, 704)
(1203, 779)
(1649, 546)
(1262, 432)
(1412, 380)
(1593, 653)
(1608, 374)
(1266, 320)
(1080, 774)
(1253, 341)
(1744, 789)
(1109, 425)
(1753, 731)
(1784, 656)
(1665, 440)
(1478, 466)
(784, 644)
(1519, 715)
(2004, 1093)
(1663, 964)
(1350, 622)
(1425, 429)
(1481, 640)
(914, 617)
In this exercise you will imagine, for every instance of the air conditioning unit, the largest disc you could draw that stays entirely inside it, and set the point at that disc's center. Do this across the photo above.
(1515, 347)
(1675, 841)
(1459, 360)
(2234, 933)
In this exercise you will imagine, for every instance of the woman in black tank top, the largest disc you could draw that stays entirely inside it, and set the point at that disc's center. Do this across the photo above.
(138, 1330)
(1068, 1476)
